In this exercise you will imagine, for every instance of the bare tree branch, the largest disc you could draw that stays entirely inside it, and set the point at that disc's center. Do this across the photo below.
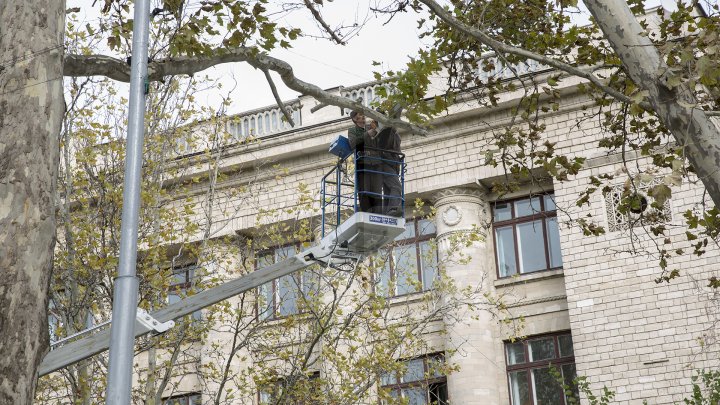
(498, 46)
(116, 69)
(322, 22)
(279, 102)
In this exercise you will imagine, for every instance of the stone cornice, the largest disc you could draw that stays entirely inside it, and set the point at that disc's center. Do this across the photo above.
(458, 194)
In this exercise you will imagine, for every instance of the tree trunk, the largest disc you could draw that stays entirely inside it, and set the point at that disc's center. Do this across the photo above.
(675, 107)
(31, 112)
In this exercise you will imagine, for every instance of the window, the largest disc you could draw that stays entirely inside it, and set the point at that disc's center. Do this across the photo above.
(284, 296)
(421, 382)
(529, 363)
(527, 238)
(180, 285)
(302, 391)
(411, 264)
(185, 399)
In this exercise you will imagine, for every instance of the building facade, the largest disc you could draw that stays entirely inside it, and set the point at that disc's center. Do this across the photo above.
(583, 305)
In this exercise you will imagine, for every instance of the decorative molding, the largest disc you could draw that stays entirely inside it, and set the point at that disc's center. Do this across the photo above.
(451, 215)
(458, 195)
(538, 301)
(621, 221)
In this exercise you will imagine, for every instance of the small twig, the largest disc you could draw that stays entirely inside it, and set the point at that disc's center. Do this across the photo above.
(322, 22)
(279, 102)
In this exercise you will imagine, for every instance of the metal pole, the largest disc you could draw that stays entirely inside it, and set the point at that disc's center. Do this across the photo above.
(122, 338)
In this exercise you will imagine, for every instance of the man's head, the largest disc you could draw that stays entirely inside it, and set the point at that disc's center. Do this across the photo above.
(358, 118)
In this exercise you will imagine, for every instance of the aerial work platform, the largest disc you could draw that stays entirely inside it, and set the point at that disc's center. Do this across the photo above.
(348, 236)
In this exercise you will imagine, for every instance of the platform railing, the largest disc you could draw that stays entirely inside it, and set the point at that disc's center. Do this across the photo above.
(340, 192)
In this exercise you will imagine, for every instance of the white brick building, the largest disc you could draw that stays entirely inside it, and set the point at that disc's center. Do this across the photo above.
(586, 306)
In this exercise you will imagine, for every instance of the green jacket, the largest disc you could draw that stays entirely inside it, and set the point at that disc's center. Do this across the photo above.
(360, 137)
(387, 140)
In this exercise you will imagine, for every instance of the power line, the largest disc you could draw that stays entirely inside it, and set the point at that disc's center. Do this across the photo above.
(328, 65)
(30, 85)
(31, 55)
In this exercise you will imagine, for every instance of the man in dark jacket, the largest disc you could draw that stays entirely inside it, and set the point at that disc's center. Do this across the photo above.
(376, 176)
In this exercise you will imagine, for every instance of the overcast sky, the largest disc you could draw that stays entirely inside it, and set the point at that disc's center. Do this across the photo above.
(320, 61)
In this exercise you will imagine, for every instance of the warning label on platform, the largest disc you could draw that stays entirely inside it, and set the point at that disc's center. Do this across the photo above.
(383, 220)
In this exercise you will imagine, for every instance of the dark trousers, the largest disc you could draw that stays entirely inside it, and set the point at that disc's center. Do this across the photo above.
(376, 182)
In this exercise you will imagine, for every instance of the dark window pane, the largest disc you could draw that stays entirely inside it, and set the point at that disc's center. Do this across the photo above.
(546, 389)
(553, 236)
(179, 277)
(415, 371)
(541, 349)
(529, 206)
(310, 284)
(409, 232)
(519, 389)
(264, 260)
(287, 295)
(426, 227)
(569, 375)
(266, 301)
(515, 353)
(381, 260)
(388, 379)
(505, 251)
(406, 271)
(438, 393)
(434, 366)
(531, 245)
(502, 212)
(416, 396)
(429, 263)
(550, 203)
(284, 252)
(566, 345)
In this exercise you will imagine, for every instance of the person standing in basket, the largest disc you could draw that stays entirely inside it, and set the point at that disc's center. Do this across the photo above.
(376, 175)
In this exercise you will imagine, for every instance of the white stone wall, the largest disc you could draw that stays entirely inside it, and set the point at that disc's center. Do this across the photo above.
(638, 338)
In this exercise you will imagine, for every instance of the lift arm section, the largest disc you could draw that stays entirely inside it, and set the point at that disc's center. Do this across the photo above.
(359, 235)
(99, 342)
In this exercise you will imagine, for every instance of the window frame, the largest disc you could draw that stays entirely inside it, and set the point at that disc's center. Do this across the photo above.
(557, 362)
(299, 279)
(180, 290)
(280, 384)
(514, 221)
(416, 240)
(190, 396)
(424, 383)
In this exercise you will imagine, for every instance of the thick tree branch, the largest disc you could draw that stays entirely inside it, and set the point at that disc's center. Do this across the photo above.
(675, 106)
(116, 69)
(279, 102)
(322, 22)
(482, 37)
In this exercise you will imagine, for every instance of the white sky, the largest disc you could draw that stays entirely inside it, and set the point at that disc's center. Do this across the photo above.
(320, 61)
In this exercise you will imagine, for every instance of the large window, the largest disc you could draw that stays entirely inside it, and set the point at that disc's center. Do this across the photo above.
(411, 263)
(421, 382)
(530, 365)
(526, 235)
(180, 285)
(287, 294)
(302, 391)
(185, 399)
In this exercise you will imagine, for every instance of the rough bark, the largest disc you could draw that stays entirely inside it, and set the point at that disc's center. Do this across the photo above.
(31, 112)
(675, 107)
